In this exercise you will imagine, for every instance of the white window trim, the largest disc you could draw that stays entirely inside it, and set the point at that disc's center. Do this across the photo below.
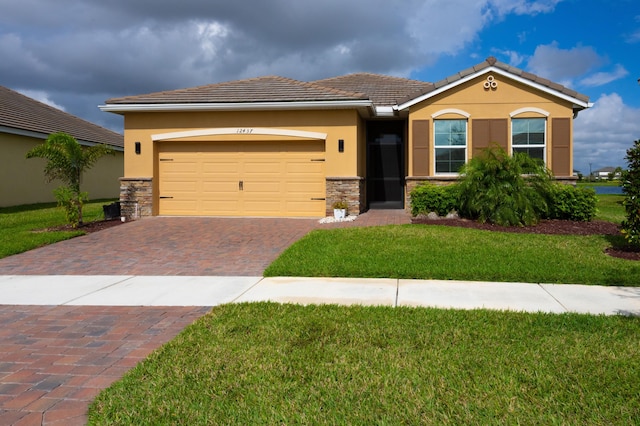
(465, 147)
(529, 109)
(543, 146)
(451, 111)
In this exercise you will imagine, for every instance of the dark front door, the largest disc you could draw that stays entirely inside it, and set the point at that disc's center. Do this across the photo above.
(385, 164)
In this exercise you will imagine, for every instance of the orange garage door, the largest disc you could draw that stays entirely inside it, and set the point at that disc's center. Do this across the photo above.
(242, 179)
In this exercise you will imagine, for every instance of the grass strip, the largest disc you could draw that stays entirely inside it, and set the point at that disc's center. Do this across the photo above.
(450, 253)
(22, 227)
(286, 364)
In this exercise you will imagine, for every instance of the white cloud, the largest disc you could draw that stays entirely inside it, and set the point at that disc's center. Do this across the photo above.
(515, 58)
(41, 96)
(525, 7)
(602, 78)
(563, 65)
(97, 50)
(603, 133)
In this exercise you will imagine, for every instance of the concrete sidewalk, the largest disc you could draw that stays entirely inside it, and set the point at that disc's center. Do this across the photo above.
(128, 290)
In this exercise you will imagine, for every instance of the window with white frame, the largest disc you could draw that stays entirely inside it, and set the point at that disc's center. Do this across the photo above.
(450, 145)
(528, 135)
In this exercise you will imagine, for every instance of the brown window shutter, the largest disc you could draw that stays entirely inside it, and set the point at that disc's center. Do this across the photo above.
(500, 132)
(561, 146)
(486, 133)
(420, 148)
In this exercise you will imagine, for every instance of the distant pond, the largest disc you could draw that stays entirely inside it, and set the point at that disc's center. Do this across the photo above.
(606, 189)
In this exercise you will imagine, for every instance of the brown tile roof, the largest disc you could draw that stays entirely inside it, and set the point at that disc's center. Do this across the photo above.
(382, 89)
(491, 61)
(20, 112)
(252, 90)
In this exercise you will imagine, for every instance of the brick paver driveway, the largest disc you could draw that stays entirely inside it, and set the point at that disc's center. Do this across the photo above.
(55, 359)
(166, 246)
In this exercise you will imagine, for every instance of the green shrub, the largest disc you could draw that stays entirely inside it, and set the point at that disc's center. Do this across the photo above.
(427, 198)
(631, 190)
(494, 188)
(568, 202)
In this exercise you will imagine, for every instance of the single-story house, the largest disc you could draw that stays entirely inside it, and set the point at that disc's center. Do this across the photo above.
(273, 146)
(25, 123)
(606, 172)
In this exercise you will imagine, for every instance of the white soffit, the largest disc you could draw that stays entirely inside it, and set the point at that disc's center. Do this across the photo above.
(235, 106)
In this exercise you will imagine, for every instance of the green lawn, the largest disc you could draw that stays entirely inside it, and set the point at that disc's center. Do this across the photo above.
(21, 226)
(451, 253)
(610, 208)
(286, 364)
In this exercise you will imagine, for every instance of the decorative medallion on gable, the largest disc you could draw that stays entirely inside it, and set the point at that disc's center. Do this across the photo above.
(490, 84)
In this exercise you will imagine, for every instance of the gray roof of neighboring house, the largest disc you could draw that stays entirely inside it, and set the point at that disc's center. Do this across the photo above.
(605, 170)
(379, 90)
(20, 113)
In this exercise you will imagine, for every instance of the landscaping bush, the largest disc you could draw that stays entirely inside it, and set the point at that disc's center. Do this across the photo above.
(567, 202)
(427, 198)
(506, 190)
(631, 191)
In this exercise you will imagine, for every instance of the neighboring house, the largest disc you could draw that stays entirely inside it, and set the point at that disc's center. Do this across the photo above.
(273, 146)
(25, 123)
(605, 172)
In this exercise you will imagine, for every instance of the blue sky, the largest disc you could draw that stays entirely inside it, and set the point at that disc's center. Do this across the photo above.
(75, 54)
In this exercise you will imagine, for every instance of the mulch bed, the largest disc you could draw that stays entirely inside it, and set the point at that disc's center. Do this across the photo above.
(88, 227)
(549, 227)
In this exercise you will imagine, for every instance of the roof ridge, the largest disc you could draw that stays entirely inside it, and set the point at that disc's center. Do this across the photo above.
(372, 74)
(491, 61)
(46, 116)
(56, 110)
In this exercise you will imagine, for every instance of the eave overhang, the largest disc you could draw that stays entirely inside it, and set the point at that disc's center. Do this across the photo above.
(364, 104)
(44, 136)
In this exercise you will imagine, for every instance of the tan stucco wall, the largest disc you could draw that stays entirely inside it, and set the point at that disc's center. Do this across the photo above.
(472, 98)
(337, 124)
(22, 180)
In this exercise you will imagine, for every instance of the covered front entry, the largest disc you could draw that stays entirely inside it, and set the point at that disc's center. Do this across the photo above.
(242, 178)
(385, 164)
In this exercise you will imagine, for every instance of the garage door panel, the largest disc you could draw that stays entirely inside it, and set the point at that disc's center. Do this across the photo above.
(242, 178)
(259, 167)
(177, 207)
(220, 207)
(221, 186)
(308, 189)
(220, 167)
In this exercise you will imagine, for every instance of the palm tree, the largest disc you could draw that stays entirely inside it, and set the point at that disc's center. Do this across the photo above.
(66, 161)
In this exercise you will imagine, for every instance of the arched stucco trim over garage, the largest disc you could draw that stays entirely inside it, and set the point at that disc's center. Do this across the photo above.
(239, 131)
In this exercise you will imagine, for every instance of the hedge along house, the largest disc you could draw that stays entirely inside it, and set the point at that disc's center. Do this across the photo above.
(273, 146)
(26, 123)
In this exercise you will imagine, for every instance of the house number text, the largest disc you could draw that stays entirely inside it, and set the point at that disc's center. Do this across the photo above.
(244, 131)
